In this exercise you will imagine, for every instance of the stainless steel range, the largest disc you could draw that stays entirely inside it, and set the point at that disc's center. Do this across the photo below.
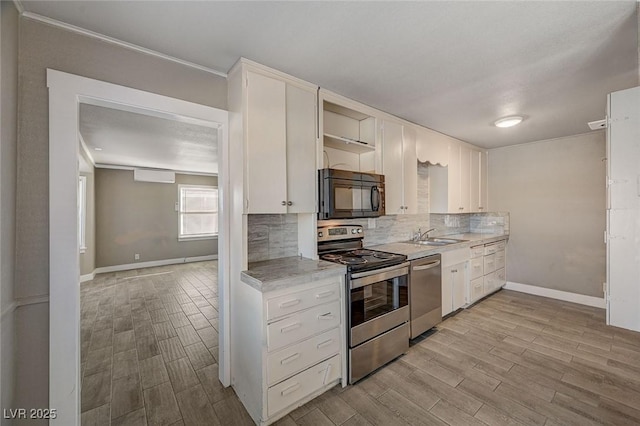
(377, 298)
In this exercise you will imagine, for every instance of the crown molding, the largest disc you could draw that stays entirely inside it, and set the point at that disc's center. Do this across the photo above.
(102, 37)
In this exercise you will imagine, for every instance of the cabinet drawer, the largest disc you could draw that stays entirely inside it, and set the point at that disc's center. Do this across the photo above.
(303, 324)
(476, 289)
(500, 245)
(489, 263)
(490, 249)
(298, 301)
(301, 385)
(477, 251)
(288, 361)
(477, 267)
(500, 259)
(489, 282)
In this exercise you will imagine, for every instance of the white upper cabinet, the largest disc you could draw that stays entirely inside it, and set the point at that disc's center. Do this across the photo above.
(301, 150)
(280, 144)
(400, 170)
(478, 181)
(266, 159)
(461, 187)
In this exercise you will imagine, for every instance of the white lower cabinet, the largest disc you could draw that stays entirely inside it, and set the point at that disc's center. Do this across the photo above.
(288, 392)
(487, 269)
(454, 280)
(291, 346)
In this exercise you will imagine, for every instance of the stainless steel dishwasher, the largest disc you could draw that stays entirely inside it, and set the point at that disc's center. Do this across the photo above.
(425, 294)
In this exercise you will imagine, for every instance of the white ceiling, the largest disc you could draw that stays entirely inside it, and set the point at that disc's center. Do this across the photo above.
(455, 67)
(139, 140)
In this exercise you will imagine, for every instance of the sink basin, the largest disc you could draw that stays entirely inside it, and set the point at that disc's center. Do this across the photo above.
(436, 241)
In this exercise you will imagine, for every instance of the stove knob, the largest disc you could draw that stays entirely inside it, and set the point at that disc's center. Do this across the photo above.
(359, 231)
(353, 231)
(320, 234)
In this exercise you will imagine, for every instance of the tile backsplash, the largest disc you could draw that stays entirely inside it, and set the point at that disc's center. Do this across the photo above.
(272, 236)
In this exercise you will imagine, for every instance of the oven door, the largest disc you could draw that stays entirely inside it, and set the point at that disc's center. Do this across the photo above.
(378, 302)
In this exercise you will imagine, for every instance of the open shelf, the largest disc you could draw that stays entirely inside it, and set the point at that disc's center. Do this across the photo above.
(346, 144)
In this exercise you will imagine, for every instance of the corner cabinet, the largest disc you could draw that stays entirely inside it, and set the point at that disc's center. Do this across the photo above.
(289, 346)
(279, 118)
(400, 168)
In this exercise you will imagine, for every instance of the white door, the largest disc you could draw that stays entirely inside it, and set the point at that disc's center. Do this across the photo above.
(474, 181)
(447, 292)
(266, 159)
(454, 200)
(483, 204)
(465, 165)
(623, 252)
(458, 287)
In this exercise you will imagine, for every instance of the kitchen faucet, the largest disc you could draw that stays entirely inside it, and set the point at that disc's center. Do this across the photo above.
(418, 236)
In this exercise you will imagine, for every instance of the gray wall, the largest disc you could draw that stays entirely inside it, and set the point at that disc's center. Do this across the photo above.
(8, 141)
(42, 46)
(140, 217)
(555, 193)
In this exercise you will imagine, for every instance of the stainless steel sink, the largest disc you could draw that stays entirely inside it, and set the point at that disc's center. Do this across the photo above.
(436, 241)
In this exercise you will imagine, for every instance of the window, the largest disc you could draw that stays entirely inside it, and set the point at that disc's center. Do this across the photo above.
(198, 212)
(82, 213)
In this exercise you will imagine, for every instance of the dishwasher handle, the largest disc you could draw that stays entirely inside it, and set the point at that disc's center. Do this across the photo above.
(426, 266)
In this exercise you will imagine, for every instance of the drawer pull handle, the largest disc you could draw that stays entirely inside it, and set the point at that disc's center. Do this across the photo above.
(289, 303)
(290, 359)
(327, 316)
(324, 344)
(323, 295)
(290, 327)
(290, 389)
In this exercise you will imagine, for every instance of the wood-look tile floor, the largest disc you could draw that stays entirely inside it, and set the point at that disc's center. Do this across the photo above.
(150, 347)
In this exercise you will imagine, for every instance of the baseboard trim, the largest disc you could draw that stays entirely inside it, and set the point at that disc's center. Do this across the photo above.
(87, 277)
(566, 296)
(152, 263)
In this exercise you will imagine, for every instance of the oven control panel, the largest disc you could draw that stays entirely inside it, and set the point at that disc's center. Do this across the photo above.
(340, 232)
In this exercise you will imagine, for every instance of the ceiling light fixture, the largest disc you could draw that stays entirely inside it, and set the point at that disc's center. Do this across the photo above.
(98, 149)
(512, 120)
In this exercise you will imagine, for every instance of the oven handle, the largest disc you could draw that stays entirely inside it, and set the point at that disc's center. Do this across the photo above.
(361, 279)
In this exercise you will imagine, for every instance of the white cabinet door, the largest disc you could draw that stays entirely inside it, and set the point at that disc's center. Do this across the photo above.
(410, 171)
(266, 159)
(301, 150)
(447, 287)
(454, 178)
(465, 166)
(454, 288)
(483, 204)
(458, 287)
(392, 162)
(478, 181)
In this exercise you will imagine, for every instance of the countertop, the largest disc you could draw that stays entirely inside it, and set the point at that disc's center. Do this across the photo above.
(275, 274)
(416, 251)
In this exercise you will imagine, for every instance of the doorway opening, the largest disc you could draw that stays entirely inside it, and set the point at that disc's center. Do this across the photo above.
(67, 93)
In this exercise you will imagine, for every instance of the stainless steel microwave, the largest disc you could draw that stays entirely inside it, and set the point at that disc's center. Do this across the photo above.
(344, 194)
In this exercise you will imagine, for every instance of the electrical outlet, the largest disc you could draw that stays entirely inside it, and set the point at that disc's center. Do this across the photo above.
(372, 223)
(136, 256)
